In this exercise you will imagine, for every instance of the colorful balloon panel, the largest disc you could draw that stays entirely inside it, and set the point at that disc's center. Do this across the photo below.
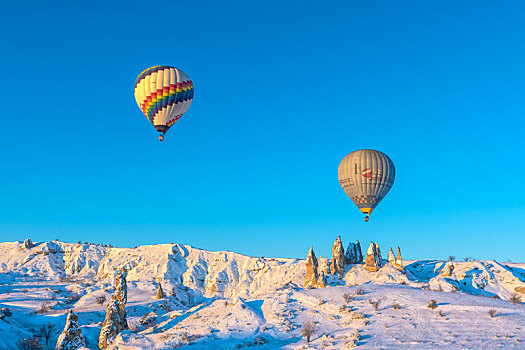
(163, 94)
(366, 176)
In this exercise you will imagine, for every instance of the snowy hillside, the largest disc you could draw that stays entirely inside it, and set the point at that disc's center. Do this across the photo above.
(217, 300)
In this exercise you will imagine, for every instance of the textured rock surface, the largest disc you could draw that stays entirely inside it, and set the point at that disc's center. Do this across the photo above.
(399, 261)
(353, 253)
(160, 292)
(71, 337)
(28, 244)
(311, 276)
(114, 323)
(373, 258)
(320, 282)
(447, 270)
(338, 258)
(391, 257)
(121, 291)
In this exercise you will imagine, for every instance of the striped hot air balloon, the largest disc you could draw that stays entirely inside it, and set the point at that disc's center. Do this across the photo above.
(164, 94)
(366, 176)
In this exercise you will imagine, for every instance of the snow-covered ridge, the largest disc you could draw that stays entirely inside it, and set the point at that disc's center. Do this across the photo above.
(228, 300)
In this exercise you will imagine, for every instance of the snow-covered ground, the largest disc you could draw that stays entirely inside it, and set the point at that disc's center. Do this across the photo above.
(224, 300)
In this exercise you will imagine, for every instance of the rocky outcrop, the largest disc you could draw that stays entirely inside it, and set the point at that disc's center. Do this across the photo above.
(121, 291)
(114, 323)
(311, 276)
(396, 262)
(71, 338)
(373, 258)
(320, 282)
(353, 253)
(447, 270)
(391, 257)
(28, 244)
(160, 292)
(338, 258)
(399, 261)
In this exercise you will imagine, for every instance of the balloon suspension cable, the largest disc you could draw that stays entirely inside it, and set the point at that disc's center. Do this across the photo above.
(367, 218)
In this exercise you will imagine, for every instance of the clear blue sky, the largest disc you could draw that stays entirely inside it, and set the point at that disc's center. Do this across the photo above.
(283, 91)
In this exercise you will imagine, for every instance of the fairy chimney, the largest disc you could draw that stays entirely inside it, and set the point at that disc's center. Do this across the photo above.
(114, 323)
(353, 253)
(373, 258)
(338, 258)
(320, 282)
(311, 276)
(71, 337)
(391, 257)
(160, 292)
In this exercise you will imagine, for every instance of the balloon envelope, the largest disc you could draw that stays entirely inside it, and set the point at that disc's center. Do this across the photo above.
(366, 176)
(164, 94)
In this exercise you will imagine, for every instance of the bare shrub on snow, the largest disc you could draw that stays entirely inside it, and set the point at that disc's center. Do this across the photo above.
(29, 344)
(432, 304)
(348, 297)
(440, 313)
(359, 291)
(73, 298)
(321, 302)
(101, 299)
(492, 313)
(43, 308)
(344, 308)
(375, 304)
(396, 306)
(515, 298)
(308, 330)
(45, 331)
(451, 258)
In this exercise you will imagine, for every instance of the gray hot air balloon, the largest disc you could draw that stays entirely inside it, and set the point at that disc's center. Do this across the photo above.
(366, 176)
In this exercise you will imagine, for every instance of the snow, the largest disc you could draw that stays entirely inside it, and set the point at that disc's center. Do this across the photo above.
(225, 300)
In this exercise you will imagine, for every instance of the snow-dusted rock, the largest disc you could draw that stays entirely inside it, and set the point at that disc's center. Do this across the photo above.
(338, 258)
(321, 281)
(121, 291)
(447, 270)
(160, 292)
(353, 253)
(71, 337)
(114, 323)
(373, 258)
(391, 257)
(311, 276)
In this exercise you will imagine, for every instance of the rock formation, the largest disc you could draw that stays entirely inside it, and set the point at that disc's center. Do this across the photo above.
(121, 291)
(447, 270)
(399, 261)
(320, 282)
(373, 258)
(160, 292)
(311, 276)
(114, 323)
(338, 258)
(28, 244)
(353, 253)
(396, 262)
(71, 338)
(391, 257)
